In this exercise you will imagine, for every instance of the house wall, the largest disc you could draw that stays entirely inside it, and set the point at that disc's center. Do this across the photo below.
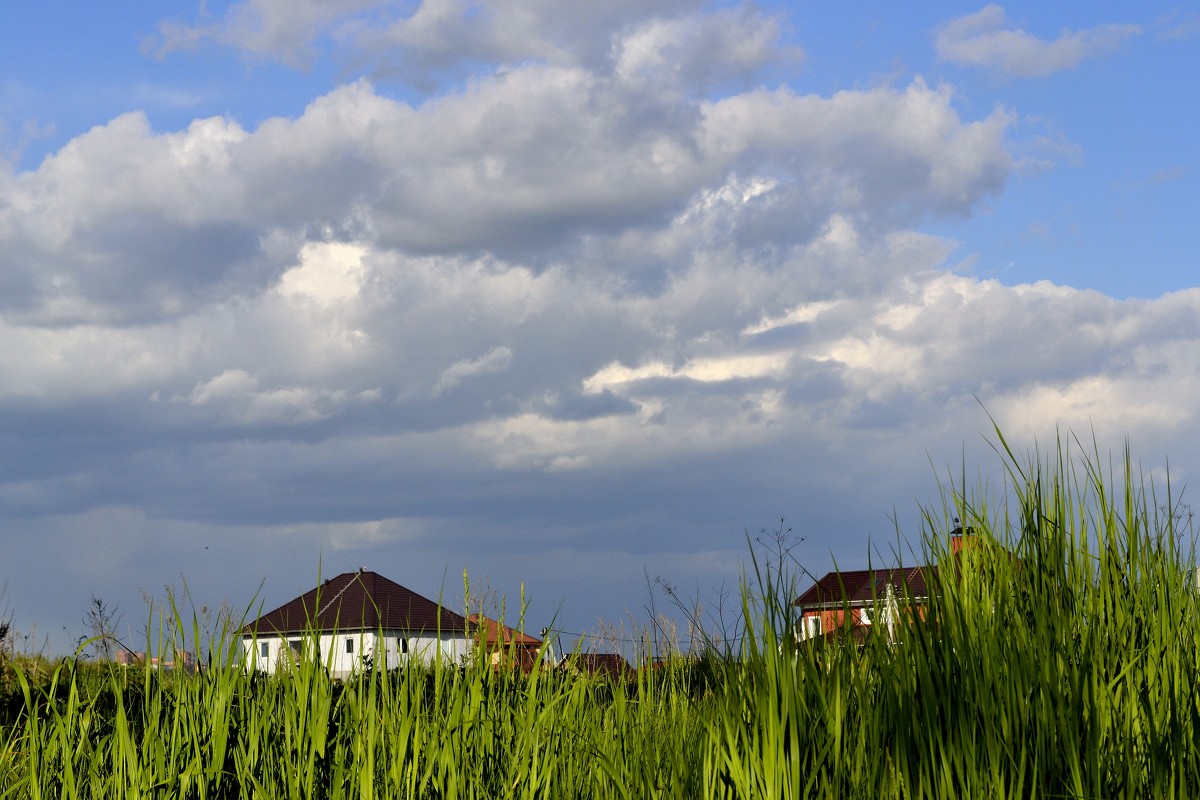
(885, 613)
(816, 623)
(343, 652)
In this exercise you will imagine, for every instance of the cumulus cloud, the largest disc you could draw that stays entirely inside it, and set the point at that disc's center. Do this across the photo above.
(126, 225)
(983, 39)
(521, 275)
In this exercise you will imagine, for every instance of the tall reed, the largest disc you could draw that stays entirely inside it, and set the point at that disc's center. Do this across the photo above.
(1057, 656)
(424, 731)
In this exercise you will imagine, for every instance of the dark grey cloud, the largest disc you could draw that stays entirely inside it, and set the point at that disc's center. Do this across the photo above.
(578, 406)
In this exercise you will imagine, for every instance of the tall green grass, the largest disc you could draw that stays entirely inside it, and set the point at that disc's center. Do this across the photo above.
(1056, 658)
(434, 731)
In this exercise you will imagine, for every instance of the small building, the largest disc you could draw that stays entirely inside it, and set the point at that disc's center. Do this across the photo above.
(857, 602)
(506, 647)
(354, 619)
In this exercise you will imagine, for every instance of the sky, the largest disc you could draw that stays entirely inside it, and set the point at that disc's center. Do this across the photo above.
(576, 297)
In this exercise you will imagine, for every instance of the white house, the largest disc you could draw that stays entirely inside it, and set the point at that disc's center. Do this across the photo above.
(351, 618)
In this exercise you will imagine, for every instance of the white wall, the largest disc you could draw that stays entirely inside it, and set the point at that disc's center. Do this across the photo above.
(395, 648)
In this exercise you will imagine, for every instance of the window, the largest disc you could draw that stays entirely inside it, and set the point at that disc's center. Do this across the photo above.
(264, 650)
(295, 645)
(403, 643)
(349, 645)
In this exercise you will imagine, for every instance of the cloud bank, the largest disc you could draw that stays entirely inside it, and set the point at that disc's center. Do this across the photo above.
(594, 311)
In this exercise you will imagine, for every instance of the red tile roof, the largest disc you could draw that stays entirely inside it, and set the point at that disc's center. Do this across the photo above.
(866, 585)
(358, 601)
(508, 646)
(497, 633)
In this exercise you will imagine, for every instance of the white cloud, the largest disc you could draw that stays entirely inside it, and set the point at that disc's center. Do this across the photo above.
(1177, 25)
(328, 273)
(495, 361)
(238, 400)
(265, 28)
(55, 366)
(983, 39)
(724, 368)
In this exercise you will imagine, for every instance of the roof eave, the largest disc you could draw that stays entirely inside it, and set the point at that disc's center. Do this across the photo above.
(833, 605)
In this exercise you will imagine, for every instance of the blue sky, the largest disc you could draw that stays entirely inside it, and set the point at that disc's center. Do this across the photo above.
(566, 295)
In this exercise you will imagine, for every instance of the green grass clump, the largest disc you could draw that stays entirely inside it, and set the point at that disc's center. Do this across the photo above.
(1055, 657)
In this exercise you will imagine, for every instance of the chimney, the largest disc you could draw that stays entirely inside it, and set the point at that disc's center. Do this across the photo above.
(961, 539)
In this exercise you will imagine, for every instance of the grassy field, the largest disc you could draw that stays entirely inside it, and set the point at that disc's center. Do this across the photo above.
(1058, 659)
